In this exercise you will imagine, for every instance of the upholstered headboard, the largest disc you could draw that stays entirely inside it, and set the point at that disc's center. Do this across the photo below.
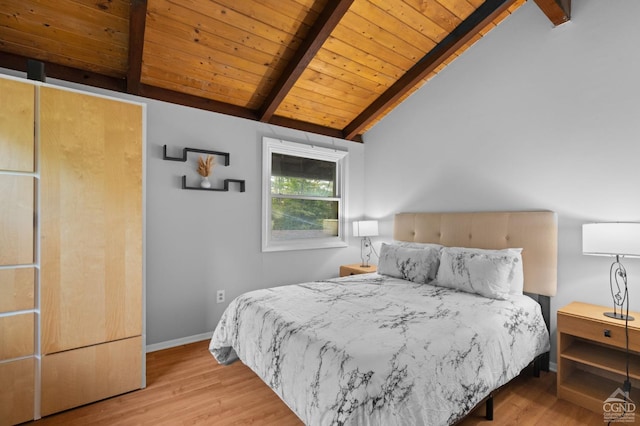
(535, 232)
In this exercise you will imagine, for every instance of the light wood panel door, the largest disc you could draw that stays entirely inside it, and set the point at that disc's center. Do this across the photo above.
(17, 289)
(91, 219)
(84, 375)
(16, 391)
(16, 219)
(16, 125)
(17, 247)
(17, 336)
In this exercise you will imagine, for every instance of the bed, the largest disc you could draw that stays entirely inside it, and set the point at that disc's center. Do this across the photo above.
(394, 348)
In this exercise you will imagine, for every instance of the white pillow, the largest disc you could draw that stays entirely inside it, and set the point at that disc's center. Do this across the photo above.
(516, 282)
(490, 273)
(419, 265)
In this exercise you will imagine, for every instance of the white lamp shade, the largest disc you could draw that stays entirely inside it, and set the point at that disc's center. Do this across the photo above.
(365, 228)
(611, 239)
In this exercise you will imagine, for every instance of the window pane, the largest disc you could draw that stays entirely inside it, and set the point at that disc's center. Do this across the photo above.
(298, 186)
(291, 175)
(295, 219)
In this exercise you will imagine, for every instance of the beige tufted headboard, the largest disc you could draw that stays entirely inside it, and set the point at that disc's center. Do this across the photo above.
(535, 232)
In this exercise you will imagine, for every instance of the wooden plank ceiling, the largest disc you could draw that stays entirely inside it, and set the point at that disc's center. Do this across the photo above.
(333, 67)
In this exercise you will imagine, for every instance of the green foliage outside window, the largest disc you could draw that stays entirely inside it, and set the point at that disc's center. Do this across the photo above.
(302, 213)
(284, 185)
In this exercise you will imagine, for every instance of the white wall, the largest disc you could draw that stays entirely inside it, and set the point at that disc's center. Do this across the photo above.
(200, 242)
(531, 117)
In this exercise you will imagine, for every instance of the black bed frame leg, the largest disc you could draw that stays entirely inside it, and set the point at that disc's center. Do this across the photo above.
(489, 408)
(541, 363)
(544, 361)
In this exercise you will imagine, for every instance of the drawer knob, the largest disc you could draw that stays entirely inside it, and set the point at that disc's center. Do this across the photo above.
(607, 333)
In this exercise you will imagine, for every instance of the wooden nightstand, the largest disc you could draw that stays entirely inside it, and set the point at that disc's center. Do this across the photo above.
(356, 269)
(592, 355)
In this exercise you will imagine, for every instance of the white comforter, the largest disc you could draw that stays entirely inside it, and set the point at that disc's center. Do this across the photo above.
(374, 350)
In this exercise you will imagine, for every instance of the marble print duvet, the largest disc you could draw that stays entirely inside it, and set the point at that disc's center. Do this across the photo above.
(375, 350)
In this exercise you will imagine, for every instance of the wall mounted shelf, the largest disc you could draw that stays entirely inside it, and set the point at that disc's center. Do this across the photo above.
(203, 151)
(225, 188)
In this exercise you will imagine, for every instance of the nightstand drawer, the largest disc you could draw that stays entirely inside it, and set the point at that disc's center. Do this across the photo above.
(599, 331)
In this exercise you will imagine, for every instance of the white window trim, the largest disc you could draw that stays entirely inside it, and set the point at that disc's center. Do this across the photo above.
(270, 146)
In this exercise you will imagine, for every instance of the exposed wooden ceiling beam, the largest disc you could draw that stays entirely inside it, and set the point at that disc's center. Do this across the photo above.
(137, 23)
(62, 72)
(558, 11)
(173, 97)
(160, 94)
(467, 29)
(185, 99)
(318, 34)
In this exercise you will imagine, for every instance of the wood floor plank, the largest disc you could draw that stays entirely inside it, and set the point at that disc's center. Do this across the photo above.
(186, 386)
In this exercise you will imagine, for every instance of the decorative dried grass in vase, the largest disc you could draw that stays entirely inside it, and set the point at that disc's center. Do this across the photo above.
(205, 165)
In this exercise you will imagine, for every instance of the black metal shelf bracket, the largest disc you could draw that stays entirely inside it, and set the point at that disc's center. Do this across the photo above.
(240, 181)
(225, 188)
(200, 151)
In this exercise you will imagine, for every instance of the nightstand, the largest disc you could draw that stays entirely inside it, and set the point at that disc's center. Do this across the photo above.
(592, 355)
(356, 269)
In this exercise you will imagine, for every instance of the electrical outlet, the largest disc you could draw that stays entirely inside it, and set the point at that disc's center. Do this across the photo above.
(220, 296)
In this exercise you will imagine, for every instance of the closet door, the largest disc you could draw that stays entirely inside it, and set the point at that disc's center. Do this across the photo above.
(17, 276)
(91, 246)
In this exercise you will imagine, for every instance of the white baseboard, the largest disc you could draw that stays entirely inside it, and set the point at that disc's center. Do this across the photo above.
(553, 367)
(177, 342)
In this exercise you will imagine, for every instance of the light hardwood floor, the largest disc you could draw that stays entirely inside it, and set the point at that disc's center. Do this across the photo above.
(186, 386)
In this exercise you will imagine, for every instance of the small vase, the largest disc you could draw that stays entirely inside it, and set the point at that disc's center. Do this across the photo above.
(204, 183)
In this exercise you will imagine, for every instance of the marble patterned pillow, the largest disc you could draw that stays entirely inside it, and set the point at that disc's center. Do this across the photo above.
(516, 281)
(489, 273)
(419, 265)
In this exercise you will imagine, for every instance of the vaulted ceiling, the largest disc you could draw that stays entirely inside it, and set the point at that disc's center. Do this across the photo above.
(333, 67)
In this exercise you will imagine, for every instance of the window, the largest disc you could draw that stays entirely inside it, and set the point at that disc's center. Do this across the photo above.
(303, 198)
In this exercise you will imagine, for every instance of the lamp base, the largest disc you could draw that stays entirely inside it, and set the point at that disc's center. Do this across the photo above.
(619, 316)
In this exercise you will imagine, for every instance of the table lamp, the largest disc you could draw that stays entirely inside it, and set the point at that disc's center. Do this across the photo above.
(619, 239)
(365, 229)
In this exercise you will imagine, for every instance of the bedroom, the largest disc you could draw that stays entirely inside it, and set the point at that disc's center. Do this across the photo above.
(547, 115)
